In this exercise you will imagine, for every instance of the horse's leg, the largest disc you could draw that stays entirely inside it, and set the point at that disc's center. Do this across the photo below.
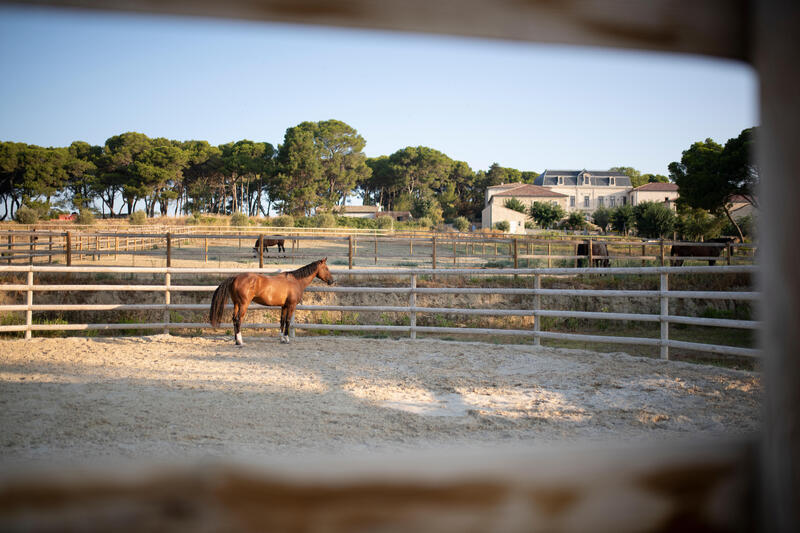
(284, 324)
(236, 322)
(289, 312)
(238, 325)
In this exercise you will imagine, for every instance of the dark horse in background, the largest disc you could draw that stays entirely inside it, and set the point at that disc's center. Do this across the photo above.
(706, 249)
(599, 253)
(268, 242)
(284, 290)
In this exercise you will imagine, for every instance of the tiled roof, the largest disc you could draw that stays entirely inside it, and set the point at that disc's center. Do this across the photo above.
(658, 187)
(523, 191)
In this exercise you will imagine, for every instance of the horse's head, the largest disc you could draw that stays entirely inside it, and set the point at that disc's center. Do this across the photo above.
(323, 273)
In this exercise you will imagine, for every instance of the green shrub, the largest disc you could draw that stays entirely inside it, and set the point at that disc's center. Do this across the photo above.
(503, 225)
(424, 222)
(324, 220)
(461, 224)
(85, 217)
(239, 219)
(515, 205)
(283, 221)
(26, 215)
(384, 222)
(137, 218)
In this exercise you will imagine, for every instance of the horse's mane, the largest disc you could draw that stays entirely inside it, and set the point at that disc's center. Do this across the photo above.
(307, 270)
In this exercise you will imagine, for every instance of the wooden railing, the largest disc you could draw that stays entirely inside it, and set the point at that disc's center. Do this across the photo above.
(441, 250)
(663, 295)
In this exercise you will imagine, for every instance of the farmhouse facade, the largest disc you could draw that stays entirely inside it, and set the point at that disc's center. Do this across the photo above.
(587, 190)
(574, 190)
(666, 193)
(494, 210)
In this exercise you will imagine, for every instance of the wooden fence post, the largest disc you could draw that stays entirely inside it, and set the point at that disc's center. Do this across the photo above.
(167, 283)
(205, 250)
(31, 247)
(376, 248)
(516, 253)
(69, 248)
(50, 248)
(730, 252)
(350, 252)
(661, 246)
(575, 253)
(412, 303)
(591, 254)
(644, 252)
(549, 263)
(537, 306)
(29, 311)
(664, 313)
(10, 247)
(433, 252)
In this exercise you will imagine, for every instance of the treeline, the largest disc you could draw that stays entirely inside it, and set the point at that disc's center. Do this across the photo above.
(318, 165)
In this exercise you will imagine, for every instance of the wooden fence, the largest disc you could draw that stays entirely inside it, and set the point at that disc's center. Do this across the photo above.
(663, 295)
(442, 250)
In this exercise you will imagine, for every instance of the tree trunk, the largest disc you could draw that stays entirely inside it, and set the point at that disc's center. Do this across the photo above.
(735, 225)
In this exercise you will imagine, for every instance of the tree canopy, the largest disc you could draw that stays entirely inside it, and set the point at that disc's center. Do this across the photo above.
(710, 175)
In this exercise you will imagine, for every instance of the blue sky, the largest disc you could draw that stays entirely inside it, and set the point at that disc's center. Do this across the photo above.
(87, 76)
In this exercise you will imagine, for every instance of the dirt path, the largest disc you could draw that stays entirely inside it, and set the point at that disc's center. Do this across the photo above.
(164, 397)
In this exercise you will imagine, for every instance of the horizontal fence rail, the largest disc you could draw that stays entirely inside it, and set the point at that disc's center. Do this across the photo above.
(439, 250)
(412, 310)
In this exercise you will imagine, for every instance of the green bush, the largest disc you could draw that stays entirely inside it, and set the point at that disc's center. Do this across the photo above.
(384, 222)
(26, 215)
(515, 205)
(85, 217)
(239, 219)
(324, 220)
(461, 224)
(503, 225)
(424, 222)
(283, 221)
(137, 218)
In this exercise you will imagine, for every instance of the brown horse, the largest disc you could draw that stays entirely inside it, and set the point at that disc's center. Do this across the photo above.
(267, 243)
(712, 248)
(284, 289)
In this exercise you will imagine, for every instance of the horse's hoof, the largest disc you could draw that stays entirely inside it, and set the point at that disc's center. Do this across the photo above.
(284, 340)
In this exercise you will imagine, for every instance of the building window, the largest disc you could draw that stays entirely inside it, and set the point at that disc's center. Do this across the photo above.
(600, 201)
(624, 200)
(585, 201)
(572, 201)
(611, 201)
(553, 202)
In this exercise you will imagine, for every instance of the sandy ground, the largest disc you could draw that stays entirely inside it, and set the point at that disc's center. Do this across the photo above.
(167, 397)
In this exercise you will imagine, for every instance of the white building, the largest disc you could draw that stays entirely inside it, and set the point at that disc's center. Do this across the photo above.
(587, 189)
(496, 196)
(665, 193)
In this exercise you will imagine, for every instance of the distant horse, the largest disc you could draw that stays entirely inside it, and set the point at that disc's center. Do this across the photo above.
(284, 289)
(683, 250)
(268, 242)
(599, 253)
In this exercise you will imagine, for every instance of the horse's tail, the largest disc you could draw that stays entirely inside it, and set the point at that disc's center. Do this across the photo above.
(219, 300)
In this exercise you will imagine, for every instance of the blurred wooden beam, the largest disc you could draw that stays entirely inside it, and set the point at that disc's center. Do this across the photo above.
(711, 27)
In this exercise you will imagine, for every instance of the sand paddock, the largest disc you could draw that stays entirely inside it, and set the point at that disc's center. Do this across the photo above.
(166, 397)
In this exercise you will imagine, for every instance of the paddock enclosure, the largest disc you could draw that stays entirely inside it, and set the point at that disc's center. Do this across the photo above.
(189, 246)
(169, 397)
